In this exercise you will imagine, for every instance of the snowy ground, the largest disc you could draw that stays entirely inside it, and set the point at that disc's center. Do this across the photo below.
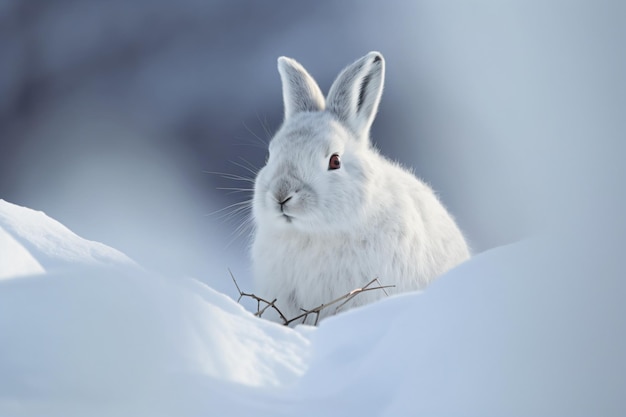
(86, 331)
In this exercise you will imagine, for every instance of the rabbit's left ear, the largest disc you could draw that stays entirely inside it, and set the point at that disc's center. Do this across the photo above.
(300, 91)
(355, 94)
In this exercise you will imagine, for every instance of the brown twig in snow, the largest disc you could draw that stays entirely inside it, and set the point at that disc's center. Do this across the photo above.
(345, 298)
(305, 313)
(259, 300)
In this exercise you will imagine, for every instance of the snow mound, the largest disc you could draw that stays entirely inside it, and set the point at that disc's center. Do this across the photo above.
(101, 334)
(533, 328)
(15, 260)
(519, 330)
(52, 244)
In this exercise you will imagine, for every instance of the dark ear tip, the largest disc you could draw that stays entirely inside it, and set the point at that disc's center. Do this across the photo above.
(376, 58)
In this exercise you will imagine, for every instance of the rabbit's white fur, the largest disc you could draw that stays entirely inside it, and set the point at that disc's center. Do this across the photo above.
(338, 229)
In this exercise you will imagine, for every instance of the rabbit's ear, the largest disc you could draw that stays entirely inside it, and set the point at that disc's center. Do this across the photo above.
(300, 91)
(355, 94)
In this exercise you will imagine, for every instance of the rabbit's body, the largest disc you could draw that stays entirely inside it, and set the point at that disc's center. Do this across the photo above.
(324, 228)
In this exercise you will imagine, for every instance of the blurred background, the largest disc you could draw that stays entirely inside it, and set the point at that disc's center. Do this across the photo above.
(111, 112)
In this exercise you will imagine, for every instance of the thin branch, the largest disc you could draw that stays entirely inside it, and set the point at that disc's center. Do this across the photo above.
(259, 312)
(365, 288)
(305, 313)
(236, 285)
(258, 299)
(347, 297)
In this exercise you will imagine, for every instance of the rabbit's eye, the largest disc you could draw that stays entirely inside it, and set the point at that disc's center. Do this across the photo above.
(334, 162)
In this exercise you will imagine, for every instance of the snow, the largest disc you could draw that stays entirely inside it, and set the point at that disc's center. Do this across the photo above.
(532, 328)
(53, 243)
(21, 261)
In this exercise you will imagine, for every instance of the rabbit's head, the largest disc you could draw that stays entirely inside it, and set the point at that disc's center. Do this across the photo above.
(320, 165)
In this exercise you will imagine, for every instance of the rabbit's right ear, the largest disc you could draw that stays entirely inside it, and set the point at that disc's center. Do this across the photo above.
(300, 91)
(355, 94)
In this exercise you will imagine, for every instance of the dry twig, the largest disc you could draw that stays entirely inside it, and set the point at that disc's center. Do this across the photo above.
(258, 299)
(305, 313)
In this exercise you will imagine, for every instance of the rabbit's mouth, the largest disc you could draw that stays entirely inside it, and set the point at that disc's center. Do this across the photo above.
(283, 209)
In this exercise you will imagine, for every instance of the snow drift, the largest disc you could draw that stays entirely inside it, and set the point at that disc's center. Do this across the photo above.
(533, 328)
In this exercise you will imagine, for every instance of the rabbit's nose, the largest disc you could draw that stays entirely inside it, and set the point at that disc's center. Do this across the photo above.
(283, 201)
(283, 193)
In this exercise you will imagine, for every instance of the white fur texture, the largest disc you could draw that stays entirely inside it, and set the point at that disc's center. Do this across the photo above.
(338, 229)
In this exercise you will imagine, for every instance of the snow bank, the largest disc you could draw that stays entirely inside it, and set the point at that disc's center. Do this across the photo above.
(97, 335)
(17, 260)
(52, 244)
(534, 328)
(519, 330)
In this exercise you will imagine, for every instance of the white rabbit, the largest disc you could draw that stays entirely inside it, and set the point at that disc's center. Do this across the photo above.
(330, 212)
